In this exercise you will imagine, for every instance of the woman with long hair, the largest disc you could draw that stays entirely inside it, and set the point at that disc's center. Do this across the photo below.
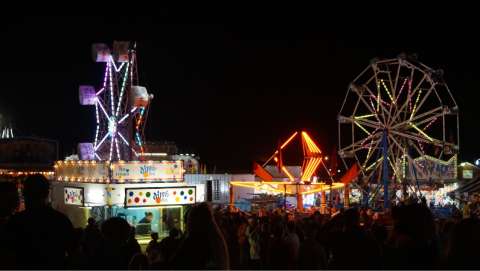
(204, 246)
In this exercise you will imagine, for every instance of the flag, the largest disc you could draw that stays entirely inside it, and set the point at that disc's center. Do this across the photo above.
(351, 174)
(261, 172)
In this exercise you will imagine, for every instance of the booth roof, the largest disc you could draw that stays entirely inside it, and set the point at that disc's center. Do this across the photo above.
(470, 187)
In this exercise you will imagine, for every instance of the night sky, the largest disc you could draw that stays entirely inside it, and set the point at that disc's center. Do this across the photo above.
(224, 89)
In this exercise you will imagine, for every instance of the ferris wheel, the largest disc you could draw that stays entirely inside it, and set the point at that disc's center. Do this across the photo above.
(121, 105)
(395, 111)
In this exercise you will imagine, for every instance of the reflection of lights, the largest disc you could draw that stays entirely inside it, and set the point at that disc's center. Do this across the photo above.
(112, 125)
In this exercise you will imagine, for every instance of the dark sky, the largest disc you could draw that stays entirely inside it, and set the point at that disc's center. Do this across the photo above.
(224, 90)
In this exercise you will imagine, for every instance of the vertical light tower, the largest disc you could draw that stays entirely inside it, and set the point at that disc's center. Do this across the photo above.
(121, 106)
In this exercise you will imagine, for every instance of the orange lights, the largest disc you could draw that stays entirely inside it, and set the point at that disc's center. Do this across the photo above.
(288, 140)
(313, 159)
(311, 168)
(312, 147)
(284, 169)
(288, 187)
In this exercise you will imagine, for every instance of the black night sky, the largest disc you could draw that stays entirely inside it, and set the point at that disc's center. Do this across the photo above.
(224, 89)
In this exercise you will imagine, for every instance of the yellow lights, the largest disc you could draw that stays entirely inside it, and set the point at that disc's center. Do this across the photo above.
(416, 103)
(310, 169)
(394, 168)
(275, 159)
(372, 165)
(420, 131)
(363, 116)
(368, 155)
(284, 169)
(20, 173)
(287, 187)
(363, 128)
(388, 92)
(310, 144)
(288, 140)
(323, 187)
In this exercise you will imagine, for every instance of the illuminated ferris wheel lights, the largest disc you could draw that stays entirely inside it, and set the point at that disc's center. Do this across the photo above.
(396, 123)
(123, 138)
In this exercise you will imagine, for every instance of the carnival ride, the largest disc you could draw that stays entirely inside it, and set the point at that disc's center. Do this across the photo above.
(121, 106)
(396, 112)
(306, 181)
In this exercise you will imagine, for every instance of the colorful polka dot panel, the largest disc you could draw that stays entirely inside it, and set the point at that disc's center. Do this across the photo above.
(73, 196)
(160, 196)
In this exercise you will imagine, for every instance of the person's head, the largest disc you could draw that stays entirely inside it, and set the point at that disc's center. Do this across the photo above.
(154, 236)
(36, 189)
(351, 218)
(91, 221)
(200, 218)
(116, 230)
(174, 232)
(149, 216)
(8, 198)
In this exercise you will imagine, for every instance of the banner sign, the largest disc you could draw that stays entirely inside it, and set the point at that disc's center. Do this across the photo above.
(467, 174)
(73, 195)
(142, 197)
(85, 170)
(165, 170)
(430, 168)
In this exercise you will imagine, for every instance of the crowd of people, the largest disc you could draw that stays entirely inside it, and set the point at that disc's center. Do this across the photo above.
(406, 237)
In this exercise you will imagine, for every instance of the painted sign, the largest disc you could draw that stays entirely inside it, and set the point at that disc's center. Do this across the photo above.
(84, 170)
(430, 168)
(165, 170)
(73, 195)
(141, 197)
(467, 173)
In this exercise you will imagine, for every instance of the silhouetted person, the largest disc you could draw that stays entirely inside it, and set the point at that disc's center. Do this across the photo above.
(133, 247)
(312, 255)
(353, 247)
(154, 253)
(154, 242)
(138, 262)
(9, 201)
(292, 243)
(463, 248)
(413, 241)
(93, 242)
(170, 244)
(78, 257)
(43, 236)
(204, 246)
(116, 232)
(147, 218)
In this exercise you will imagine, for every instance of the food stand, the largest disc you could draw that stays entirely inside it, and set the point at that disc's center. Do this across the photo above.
(131, 190)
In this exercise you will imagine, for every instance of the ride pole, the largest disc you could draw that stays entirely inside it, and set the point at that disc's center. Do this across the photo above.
(386, 203)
